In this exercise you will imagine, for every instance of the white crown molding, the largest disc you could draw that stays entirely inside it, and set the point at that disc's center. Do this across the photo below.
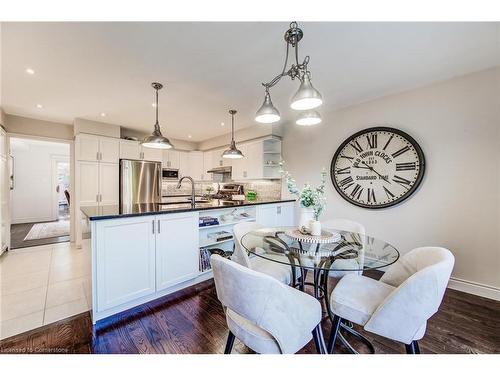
(477, 289)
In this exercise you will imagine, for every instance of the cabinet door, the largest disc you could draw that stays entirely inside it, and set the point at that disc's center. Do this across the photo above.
(266, 215)
(125, 260)
(239, 166)
(87, 147)
(108, 183)
(109, 149)
(285, 214)
(88, 183)
(184, 164)
(254, 160)
(177, 249)
(152, 154)
(129, 150)
(196, 165)
(207, 164)
(173, 159)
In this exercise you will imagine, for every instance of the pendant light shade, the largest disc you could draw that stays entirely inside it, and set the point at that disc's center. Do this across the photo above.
(307, 97)
(267, 113)
(232, 152)
(157, 140)
(308, 118)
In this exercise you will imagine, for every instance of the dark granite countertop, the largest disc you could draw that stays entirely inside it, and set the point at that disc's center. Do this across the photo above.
(115, 211)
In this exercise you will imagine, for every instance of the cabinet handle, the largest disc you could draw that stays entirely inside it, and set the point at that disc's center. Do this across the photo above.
(278, 210)
(244, 173)
(97, 155)
(153, 222)
(100, 197)
(100, 155)
(97, 198)
(159, 230)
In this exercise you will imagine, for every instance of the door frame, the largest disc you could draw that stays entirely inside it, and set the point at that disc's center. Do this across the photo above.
(55, 195)
(71, 144)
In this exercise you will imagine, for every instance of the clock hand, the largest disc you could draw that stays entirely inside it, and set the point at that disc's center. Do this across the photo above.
(373, 170)
(357, 166)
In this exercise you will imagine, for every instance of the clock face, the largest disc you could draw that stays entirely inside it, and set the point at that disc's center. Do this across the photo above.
(377, 167)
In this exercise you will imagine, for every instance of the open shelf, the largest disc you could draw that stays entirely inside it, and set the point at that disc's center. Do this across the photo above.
(225, 224)
(212, 243)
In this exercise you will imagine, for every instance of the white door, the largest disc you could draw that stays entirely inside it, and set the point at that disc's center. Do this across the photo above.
(88, 188)
(267, 215)
(184, 164)
(108, 183)
(87, 147)
(129, 150)
(177, 249)
(109, 149)
(152, 154)
(125, 260)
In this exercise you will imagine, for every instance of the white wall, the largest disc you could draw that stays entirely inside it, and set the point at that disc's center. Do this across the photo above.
(31, 199)
(457, 124)
(39, 128)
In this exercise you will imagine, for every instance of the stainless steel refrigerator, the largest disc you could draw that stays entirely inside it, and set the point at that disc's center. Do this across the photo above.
(140, 182)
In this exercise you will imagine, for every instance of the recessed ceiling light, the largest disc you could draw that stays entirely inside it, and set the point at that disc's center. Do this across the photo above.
(39, 106)
(30, 71)
(190, 136)
(222, 124)
(103, 114)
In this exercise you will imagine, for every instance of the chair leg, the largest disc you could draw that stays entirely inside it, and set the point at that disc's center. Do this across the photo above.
(412, 348)
(229, 343)
(333, 334)
(319, 340)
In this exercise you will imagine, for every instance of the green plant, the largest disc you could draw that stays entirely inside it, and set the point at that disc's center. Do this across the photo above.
(309, 197)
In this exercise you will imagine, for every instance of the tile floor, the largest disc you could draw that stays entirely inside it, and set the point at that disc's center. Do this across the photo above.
(43, 284)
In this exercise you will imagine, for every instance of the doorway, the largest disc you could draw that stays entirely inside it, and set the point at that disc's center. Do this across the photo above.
(40, 197)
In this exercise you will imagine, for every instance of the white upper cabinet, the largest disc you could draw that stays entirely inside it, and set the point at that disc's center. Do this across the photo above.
(196, 170)
(177, 249)
(96, 148)
(183, 163)
(129, 149)
(151, 154)
(261, 160)
(171, 159)
(87, 147)
(108, 183)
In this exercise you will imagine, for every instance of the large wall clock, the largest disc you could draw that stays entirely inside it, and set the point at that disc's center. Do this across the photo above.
(377, 167)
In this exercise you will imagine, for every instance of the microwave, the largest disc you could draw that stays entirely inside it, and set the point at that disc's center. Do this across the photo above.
(170, 174)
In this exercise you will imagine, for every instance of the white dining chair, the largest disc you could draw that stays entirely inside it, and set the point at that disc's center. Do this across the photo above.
(279, 271)
(263, 313)
(341, 267)
(399, 304)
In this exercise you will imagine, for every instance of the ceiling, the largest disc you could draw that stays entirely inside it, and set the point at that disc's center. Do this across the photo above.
(85, 69)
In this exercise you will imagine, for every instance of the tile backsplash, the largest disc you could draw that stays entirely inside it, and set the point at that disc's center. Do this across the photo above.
(266, 189)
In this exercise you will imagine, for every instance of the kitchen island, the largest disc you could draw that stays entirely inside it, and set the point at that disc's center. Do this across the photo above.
(145, 251)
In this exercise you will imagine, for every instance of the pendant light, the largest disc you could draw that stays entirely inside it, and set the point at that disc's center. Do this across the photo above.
(306, 98)
(308, 118)
(232, 152)
(157, 140)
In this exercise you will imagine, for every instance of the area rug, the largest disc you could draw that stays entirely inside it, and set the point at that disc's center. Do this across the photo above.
(48, 230)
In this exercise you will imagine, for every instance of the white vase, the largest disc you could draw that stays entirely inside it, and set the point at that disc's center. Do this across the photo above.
(306, 215)
(315, 227)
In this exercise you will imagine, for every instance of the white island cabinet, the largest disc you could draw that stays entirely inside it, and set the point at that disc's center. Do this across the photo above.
(139, 257)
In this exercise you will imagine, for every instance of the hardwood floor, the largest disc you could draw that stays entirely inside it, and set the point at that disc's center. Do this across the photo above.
(192, 321)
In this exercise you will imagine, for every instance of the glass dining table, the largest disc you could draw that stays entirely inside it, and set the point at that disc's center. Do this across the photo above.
(332, 254)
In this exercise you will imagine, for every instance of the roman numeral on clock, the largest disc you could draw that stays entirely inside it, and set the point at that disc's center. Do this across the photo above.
(406, 166)
(372, 140)
(356, 192)
(357, 146)
(400, 180)
(347, 157)
(371, 196)
(388, 193)
(388, 141)
(346, 181)
(401, 152)
(345, 170)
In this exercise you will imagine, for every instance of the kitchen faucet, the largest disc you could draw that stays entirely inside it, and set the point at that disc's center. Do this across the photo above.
(192, 189)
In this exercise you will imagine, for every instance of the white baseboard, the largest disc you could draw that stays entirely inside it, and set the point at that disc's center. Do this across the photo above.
(477, 289)
(32, 220)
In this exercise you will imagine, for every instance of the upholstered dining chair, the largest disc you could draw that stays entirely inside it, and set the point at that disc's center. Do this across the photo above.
(263, 313)
(340, 267)
(279, 271)
(399, 304)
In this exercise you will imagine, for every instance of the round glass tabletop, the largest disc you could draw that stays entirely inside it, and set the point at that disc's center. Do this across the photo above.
(335, 250)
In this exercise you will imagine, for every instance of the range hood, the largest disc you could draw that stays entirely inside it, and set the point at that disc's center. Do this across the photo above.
(220, 170)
